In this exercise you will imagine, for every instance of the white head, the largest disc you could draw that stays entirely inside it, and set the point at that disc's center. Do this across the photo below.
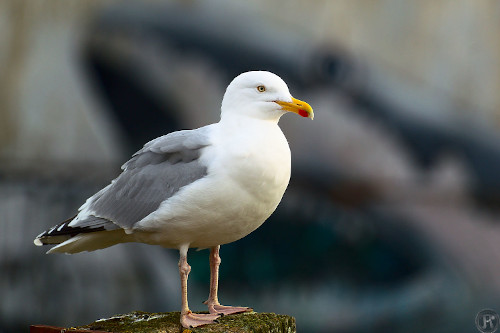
(261, 95)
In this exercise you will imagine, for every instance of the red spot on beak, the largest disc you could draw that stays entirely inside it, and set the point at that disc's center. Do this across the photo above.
(303, 113)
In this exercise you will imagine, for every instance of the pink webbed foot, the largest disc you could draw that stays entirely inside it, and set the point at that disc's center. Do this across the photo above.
(191, 319)
(227, 310)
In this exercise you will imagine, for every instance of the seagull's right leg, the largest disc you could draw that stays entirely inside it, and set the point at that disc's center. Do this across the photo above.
(188, 318)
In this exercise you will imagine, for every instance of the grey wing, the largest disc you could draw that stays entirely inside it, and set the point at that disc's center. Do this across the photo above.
(152, 175)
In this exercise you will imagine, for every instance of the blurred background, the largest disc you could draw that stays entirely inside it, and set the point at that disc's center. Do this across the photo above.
(391, 219)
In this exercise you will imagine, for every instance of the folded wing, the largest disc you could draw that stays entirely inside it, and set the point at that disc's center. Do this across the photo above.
(153, 174)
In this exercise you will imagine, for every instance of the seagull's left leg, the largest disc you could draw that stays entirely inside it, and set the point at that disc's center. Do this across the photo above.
(213, 302)
(188, 318)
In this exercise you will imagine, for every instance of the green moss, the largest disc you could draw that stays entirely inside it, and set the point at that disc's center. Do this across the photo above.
(138, 322)
(169, 322)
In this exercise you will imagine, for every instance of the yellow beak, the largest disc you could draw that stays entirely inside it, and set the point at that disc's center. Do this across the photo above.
(297, 106)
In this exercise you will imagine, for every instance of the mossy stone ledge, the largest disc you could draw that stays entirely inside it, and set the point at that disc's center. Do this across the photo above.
(169, 322)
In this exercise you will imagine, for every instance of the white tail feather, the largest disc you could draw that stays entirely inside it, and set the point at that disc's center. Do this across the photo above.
(91, 241)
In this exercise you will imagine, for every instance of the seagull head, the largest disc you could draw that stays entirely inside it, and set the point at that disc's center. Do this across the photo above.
(261, 95)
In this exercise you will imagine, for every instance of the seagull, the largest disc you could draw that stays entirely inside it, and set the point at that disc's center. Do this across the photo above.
(199, 188)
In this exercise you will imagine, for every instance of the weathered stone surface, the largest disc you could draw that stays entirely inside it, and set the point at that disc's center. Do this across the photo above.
(169, 322)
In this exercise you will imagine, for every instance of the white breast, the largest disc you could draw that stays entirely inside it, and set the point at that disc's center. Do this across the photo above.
(257, 158)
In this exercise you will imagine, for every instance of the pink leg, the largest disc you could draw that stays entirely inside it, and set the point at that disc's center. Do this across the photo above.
(188, 318)
(214, 306)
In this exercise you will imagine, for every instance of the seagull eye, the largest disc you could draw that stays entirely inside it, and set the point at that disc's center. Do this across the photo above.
(261, 88)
